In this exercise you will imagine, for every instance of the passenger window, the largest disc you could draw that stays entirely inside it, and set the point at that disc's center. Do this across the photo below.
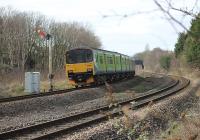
(101, 60)
(97, 58)
(111, 60)
(108, 60)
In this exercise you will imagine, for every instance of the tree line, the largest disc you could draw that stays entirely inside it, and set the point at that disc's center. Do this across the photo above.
(22, 48)
(156, 60)
(188, 44)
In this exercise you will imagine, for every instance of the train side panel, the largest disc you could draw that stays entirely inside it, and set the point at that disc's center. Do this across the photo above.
(104, 65)
(129, 64)
(118, 67)
(123, 63)
(99, 62)
(133, 65)
(126, 63)
(110, 65)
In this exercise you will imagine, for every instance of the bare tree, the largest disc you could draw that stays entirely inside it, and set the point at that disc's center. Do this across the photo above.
(20, 44)
(166, 6)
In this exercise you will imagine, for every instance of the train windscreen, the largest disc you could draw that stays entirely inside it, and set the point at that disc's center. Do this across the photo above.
(79, 56)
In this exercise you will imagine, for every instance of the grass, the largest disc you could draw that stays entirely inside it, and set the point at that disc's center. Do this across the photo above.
(13, 89)
(188, 127)
(12, 84)
(139, 88)
(58, 84)
(143, 87)
(17, 88)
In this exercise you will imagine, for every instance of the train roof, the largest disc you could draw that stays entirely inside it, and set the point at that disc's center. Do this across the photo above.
(100, 50)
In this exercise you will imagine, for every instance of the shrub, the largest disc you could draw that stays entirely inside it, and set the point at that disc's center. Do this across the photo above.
(165, 62)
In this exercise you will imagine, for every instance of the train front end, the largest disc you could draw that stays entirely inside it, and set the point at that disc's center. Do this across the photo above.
(79, 67)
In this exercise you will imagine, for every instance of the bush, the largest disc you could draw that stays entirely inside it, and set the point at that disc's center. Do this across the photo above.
(4, 68)
(165, 62)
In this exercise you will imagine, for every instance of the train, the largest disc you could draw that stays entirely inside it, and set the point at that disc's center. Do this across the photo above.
(88, 66)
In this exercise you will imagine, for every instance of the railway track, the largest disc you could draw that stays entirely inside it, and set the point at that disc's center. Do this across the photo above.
(41, 94)
(49, 93)
(52, 129)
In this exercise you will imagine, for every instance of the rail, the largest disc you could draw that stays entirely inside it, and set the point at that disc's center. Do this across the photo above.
(70, 123)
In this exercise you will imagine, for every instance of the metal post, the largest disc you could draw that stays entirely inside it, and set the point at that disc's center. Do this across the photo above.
(50, 66)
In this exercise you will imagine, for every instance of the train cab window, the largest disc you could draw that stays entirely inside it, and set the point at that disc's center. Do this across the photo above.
(88, 56)
(79, 56)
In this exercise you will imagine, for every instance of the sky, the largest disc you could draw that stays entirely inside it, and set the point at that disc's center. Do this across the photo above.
(127, 35)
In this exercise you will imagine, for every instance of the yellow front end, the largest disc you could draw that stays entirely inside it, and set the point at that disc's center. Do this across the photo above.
(80, 73)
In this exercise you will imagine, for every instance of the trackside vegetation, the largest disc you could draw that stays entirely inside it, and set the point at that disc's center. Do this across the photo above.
(188, 44)
(23, 46)
(165, 62)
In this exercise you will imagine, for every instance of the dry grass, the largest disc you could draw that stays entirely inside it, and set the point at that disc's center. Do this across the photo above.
(13, 89)
(188, 128)
(109, 94)
(12, 84)
(57, 85)
(128, 116)
(198, 93)
(17, 89)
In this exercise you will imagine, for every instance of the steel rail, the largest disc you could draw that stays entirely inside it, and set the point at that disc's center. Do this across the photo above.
(41, 94)
(181, 85)
(48, 93)
(25, 130)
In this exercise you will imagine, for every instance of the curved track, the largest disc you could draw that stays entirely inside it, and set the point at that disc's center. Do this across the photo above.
(71, 123)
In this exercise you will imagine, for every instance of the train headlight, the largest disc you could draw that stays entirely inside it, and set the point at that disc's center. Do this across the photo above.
(70, 78)
(70, 71)
(89, 69)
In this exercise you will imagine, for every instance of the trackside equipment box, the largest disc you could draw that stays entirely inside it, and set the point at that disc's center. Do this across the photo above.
(32, 82)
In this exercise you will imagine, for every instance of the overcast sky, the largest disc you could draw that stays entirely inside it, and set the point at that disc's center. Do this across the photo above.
(126, 35)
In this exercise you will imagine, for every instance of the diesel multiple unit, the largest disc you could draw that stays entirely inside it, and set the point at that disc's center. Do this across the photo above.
(86, 66)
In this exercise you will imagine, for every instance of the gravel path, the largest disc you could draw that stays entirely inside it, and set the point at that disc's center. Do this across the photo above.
(26, 112)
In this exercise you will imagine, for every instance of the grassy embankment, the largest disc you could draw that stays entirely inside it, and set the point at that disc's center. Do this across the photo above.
(13, 84)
